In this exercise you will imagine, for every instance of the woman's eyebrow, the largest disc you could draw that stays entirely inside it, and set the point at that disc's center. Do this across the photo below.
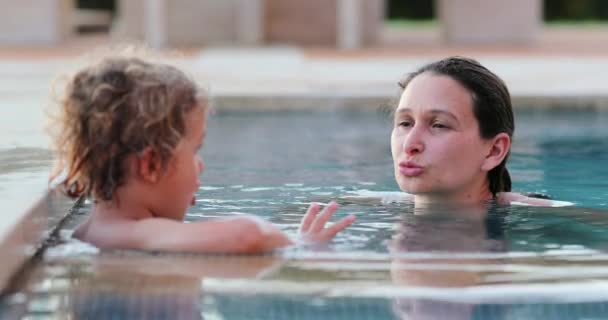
(432, 111)
(443, 112)
(402, 110)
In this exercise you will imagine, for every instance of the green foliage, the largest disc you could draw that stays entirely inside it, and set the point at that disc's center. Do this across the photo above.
(553, 10)
(410, 9)
(412, 24)
(96, 4)
(575, 10)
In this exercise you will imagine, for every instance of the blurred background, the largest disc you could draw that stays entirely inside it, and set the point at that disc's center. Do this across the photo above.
(336, 24)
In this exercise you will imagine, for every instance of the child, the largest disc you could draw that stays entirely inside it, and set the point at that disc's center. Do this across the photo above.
(129, 136)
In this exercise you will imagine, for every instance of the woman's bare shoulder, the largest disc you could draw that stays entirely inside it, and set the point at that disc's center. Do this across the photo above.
(514, 198)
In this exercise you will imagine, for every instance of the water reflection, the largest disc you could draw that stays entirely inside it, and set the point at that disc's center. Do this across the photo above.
(124, 295)
(434, 256)
(139, 285)
(444, 230)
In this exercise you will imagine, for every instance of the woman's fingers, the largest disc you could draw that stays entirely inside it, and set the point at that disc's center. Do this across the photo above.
(319, 223)
(309, 217)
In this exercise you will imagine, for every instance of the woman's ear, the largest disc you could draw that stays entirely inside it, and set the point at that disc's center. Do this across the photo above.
(499, 148)
(148, 165)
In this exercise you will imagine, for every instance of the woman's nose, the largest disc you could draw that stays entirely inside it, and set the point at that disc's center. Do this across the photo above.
(413, 143)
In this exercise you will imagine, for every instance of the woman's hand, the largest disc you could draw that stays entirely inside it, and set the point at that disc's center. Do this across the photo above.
(312, 227)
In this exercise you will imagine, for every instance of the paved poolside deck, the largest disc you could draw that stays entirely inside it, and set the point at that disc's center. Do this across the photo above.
(566, 70)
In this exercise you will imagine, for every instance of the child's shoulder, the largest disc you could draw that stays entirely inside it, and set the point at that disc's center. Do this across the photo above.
(107, 232)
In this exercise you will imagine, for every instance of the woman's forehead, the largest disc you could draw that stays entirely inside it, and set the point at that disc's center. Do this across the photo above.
(433, 93)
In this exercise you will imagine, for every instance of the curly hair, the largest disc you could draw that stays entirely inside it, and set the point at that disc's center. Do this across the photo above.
(113, 109)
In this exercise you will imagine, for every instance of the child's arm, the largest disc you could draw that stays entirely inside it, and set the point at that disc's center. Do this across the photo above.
(245, 234)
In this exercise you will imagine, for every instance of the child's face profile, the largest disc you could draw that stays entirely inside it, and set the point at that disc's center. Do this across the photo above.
(435, 143)
(177, 186)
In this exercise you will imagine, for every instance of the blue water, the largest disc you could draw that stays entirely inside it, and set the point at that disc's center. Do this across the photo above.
(274, 164)
(561, 154)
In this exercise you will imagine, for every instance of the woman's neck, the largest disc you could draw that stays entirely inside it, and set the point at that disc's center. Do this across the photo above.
(470, 196)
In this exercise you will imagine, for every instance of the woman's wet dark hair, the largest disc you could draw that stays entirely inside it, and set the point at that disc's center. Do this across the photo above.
(491, 104)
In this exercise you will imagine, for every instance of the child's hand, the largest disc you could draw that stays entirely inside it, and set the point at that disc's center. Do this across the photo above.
(312, 228)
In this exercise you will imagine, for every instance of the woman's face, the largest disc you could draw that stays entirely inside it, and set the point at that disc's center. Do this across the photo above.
(437, 150)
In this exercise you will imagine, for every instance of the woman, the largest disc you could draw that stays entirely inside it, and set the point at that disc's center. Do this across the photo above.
(452, 136)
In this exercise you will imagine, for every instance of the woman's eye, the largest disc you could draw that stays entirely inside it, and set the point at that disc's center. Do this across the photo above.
(439, 125)
(405, 124)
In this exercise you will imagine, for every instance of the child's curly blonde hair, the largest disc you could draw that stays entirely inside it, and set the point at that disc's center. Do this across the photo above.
(113, 109)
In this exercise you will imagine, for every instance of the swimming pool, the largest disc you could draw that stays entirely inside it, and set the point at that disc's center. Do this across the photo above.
(518, 262)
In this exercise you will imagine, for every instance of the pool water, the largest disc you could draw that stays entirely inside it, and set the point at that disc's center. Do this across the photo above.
(395, 262)
(274, 165)
(303, 154)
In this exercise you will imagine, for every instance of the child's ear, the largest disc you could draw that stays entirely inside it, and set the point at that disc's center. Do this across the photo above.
(499, 148)
(149, 165)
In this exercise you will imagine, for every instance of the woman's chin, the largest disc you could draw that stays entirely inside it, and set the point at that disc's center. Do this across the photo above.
(412, 189)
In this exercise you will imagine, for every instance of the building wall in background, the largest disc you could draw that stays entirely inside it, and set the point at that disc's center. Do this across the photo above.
(477, 21)
(309, 22)
(34, 22)
(332, 23)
